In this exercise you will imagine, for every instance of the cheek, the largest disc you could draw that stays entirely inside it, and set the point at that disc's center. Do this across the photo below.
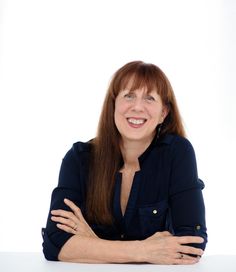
(119, 121)
(156, 114)
(153, 110)
(120, 108)
(117, 114)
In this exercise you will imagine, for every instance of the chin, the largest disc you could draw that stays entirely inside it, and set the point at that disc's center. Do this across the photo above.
(136, 137)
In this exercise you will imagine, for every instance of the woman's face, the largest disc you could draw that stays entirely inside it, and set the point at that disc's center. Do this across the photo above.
(138, 113)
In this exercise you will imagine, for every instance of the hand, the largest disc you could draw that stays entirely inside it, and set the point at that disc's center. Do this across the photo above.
(72, 222)
(164, 248)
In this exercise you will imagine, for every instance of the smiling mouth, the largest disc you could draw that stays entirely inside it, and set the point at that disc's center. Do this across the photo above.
(135, 121)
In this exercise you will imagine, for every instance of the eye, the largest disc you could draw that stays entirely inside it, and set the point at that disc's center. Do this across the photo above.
(150, 98)
(129, 96)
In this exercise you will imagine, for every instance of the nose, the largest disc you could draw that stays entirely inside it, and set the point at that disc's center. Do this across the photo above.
(138, 104)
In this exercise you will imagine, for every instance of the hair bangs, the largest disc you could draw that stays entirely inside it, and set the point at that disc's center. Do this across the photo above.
(139, 75)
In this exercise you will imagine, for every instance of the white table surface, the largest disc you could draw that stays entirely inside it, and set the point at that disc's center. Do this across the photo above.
(35, 262)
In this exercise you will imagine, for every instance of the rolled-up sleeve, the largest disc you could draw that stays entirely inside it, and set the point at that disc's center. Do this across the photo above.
(186, 200)
(68, 187)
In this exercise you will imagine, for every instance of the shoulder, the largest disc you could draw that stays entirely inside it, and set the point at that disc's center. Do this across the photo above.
(176, 146)
(81, 147)
(78, 152)
(175, 142)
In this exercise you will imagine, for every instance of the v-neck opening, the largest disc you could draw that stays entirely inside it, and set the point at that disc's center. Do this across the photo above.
(132, 195)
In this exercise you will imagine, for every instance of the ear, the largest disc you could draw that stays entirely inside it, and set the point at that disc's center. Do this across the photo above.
(165, 111)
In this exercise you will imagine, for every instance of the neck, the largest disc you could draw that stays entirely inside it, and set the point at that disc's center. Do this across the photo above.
(131, 150)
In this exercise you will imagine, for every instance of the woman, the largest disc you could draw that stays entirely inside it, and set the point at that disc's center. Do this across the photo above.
(132, 194)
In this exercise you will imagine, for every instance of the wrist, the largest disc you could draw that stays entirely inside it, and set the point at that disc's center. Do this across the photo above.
(139, 251)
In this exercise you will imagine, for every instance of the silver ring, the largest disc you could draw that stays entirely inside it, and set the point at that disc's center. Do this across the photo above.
(75, 227)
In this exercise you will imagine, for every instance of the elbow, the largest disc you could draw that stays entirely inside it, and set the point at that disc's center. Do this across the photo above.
(62, 256)
(50, 251)
(53, 245)
(67, 252)
(193, 231)
(202, 232)
(49, 255)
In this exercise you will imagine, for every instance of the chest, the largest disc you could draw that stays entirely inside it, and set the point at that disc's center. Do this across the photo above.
(126, 185)
(140, 204)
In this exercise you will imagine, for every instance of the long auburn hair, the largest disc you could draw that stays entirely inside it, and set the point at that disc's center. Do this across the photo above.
(105, 151)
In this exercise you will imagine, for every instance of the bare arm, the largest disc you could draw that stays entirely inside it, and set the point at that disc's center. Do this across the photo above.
(95, 250)
(160, 249)
(85, 246)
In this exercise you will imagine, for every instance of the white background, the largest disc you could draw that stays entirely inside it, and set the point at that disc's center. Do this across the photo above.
(56, 60)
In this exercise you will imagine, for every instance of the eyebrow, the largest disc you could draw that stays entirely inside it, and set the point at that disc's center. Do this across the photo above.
(148, 92)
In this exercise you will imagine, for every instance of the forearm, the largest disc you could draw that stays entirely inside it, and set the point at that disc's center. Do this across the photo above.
(94, 250)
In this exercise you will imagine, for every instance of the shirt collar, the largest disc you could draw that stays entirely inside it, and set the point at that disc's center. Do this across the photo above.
(165, 139)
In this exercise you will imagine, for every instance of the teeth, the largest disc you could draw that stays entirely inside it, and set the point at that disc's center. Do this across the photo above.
(136, 121)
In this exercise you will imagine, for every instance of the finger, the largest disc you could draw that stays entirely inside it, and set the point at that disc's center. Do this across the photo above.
(74, 208)
(184, 261)
(189, 239)
(178, 255)
(162, 234)
(186, 256)
(191, 250)
(63, 213)
(64, 221)
(179, 259)
(66, 228)
(165, 233)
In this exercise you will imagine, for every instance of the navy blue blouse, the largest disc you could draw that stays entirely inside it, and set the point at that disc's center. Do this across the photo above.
(166, 194)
